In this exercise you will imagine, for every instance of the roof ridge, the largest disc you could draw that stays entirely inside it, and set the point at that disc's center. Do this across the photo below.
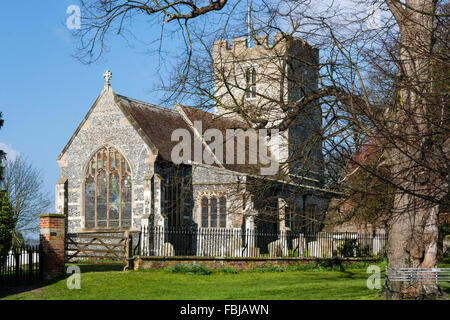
(147, 104)
(214, 116)
(193, 107)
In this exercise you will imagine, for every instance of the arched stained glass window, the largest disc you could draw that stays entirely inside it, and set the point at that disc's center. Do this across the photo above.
(114, 198)
(108, 186)
(90, 201)
(101, 199)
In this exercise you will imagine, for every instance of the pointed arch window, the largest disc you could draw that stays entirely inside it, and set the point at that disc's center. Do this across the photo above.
(107, 199)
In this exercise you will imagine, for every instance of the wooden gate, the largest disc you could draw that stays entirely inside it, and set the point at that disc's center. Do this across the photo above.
(98, 247)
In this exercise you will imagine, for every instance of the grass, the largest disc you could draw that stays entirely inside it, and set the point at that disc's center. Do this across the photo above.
(188, 282)
(184, 283)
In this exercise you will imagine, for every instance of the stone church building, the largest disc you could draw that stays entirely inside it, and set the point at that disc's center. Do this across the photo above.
(117, 171)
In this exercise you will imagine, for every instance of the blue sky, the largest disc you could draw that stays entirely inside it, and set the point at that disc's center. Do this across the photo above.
(45, 92)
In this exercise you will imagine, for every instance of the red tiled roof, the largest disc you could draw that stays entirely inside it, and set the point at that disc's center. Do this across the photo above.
(157, 125)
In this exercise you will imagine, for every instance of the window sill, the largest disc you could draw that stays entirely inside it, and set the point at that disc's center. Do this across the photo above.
(105, 230)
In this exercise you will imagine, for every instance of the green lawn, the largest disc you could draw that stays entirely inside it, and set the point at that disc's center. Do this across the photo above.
(96, 283)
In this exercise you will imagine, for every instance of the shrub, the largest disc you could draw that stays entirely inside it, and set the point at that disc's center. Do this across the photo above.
(359, 265)
(348, 248)
(329, 264)
(197, 269)
(302, 267)
(444, 228)
(351, 248)
(446, 258)
(363, 251)
(269, 269)
(446, 253)
(6, 225)
(228, 270)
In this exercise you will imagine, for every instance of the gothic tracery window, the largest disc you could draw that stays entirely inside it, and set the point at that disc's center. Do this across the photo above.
(107, 201)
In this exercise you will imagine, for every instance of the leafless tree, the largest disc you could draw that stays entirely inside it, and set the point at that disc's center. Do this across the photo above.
(382, 83)
(24, 184)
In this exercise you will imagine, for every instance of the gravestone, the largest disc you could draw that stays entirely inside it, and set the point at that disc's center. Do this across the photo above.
(326, 243)
(299, 246)
(234, 247)
(315, 249)
(377, 246)
(275, 249)
(167, 250)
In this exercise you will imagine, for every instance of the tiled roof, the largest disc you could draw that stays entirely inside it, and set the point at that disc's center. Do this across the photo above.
(155, 122)
(157, 125)
(211, 121)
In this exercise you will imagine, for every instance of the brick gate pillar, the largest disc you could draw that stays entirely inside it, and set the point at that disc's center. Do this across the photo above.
(52, 240)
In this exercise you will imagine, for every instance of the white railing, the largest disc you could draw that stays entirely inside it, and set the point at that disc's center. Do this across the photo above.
(221, 242)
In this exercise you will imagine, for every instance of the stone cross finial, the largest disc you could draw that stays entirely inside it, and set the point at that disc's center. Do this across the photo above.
(107, 75)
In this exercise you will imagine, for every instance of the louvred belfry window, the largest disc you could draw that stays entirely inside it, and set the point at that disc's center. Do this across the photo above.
(250, 77)
(107, 201)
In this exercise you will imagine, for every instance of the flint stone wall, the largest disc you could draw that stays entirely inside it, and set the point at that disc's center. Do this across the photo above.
(105, 126)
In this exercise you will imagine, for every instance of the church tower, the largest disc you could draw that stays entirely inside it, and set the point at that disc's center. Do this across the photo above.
(255, 81)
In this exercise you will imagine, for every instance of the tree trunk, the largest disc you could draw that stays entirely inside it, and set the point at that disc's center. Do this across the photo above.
(413, 236)
(413, 228)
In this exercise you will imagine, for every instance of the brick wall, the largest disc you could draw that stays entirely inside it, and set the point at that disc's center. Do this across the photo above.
(52, 239)
(219, 263)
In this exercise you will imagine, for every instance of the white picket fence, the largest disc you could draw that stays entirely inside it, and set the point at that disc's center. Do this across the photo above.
(221, 242)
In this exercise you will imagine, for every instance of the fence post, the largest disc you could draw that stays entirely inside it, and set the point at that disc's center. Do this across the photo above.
(30, 263)
(17, 265)
(128, 251)
(145, 235)
(52, 241)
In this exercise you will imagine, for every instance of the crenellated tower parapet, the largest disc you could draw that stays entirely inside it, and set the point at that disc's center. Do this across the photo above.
(258, 79)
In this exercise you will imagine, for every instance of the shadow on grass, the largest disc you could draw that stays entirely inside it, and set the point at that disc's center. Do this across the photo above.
(10, 289)
(445, 289)
(98, 267)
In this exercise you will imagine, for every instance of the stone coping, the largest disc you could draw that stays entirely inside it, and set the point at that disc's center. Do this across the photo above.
(112, 230)
(52, 215)
(195, 258)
